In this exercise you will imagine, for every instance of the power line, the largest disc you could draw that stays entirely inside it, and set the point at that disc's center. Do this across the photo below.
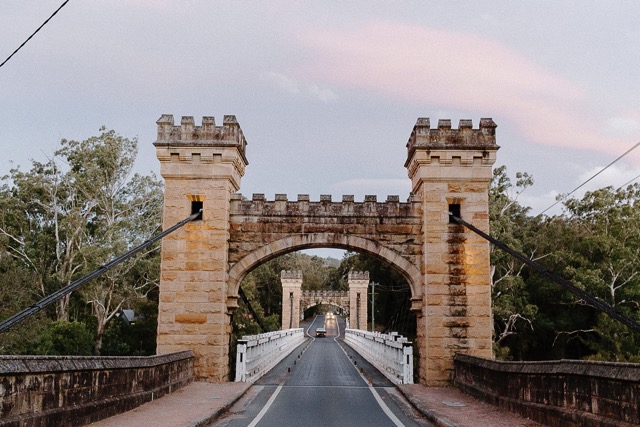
(598, 173)
(34, 33)
(628, 182)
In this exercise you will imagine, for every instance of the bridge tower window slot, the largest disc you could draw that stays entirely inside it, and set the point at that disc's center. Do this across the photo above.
(291, 310)
(358, 310)
(454, 210)
(196, 206)
(197, 203)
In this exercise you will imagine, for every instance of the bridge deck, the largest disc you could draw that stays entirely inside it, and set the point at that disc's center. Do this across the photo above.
(199, 404)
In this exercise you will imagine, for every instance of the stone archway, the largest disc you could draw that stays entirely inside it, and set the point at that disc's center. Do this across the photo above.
(446, 267)
(297, 242)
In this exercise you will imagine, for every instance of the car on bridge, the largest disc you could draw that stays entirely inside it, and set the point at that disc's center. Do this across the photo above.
(321, 332)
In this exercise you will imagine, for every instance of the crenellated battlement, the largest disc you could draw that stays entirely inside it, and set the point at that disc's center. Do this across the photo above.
(358, 275)
(281, 206)
(444, 137)
(291, 274)
(187, 133)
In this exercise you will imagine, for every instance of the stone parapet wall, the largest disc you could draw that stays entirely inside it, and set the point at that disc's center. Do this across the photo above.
(325, 294)
(556, 393)
(78, 390)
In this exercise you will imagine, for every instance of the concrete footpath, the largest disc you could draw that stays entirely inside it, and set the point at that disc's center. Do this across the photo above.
(198, 404)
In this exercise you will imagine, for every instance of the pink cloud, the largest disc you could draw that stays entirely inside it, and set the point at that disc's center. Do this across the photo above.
(458, 71)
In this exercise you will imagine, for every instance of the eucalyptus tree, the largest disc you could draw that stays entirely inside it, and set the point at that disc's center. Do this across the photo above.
(126, 210)
(44, 226)
(83, 207)
(606, 263)
(509, 223)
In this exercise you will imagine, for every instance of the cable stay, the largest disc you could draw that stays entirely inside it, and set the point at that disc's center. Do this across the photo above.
(20, 316)
(251, 310)
(595, 302)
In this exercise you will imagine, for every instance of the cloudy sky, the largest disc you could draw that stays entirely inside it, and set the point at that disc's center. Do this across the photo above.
(327, 93)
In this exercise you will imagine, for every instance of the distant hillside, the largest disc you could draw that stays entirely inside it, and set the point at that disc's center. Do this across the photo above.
(331, 262)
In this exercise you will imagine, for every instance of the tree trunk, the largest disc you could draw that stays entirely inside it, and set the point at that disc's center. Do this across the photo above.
(97, 346)
(62, 309)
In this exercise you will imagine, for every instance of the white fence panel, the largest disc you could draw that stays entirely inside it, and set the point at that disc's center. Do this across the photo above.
(391, 353)
(257, 354)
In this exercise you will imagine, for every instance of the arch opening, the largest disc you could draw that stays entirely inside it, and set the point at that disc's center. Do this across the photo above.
(294, 243)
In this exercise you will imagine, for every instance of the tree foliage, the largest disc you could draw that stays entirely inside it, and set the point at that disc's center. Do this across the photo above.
(595, 244)
(69, 215)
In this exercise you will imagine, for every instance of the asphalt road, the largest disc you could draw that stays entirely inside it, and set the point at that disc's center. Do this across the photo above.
(322, 383)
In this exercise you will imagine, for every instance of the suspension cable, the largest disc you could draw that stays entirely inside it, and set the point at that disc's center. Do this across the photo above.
(20, 316)
(251, 310)
(595, 302)
(560, 199)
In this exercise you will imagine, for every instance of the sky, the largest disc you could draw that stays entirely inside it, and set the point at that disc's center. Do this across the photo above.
(327, 92)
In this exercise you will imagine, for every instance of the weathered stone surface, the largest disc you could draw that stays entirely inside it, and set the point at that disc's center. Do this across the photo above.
(556, 393)
(77, 390)
(204, 263)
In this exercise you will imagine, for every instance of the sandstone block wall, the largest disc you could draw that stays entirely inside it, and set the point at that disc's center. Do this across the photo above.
(291, 296)
(78, 390)
(563, 393)
(452, 168)
(202, 166)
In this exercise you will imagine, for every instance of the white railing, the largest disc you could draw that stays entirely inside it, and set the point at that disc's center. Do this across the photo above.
(257, 354)
(391, 353)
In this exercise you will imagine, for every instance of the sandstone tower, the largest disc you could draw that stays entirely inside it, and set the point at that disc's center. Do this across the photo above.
(445, 265)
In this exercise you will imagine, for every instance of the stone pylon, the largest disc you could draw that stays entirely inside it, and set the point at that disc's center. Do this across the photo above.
(450, 171)
(201, 167)
(291, 294)
(447, 267)
(358, 283)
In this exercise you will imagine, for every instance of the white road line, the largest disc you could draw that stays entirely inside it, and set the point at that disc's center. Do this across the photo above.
(381, 403)
(310, 326)
(385, 408)
(266, 407)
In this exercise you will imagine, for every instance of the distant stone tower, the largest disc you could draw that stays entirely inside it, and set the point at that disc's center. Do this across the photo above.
(291, 294)
(358, 306)
(201, 167)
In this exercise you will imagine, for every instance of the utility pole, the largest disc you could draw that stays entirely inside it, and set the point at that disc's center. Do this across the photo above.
(373, 306)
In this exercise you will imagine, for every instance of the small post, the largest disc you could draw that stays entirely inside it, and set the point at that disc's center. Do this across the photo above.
(407, 362)
(241, 361)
